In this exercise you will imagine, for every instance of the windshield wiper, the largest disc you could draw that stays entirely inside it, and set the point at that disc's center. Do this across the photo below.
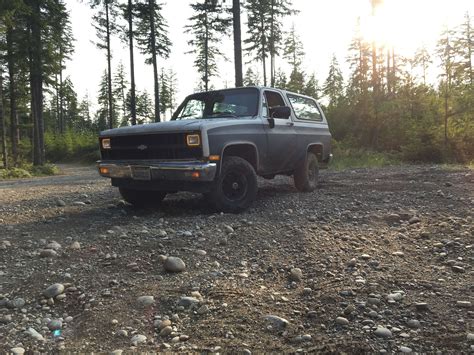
(223, 114)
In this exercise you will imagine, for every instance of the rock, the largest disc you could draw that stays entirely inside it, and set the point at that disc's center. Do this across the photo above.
(342, 321)
(421, 306)
(116, 352)
(463, 304)
(203, 309)
(68, 319)
(160, 324)
(470, 337)
(138, 339)
(145, 301)
(17, 351)
(121, 333)
(48, 253)
(365, 257)
(17, 303)
(306, 337)
(296, 274)
(55, 324)
(414, 220)
(53, 290)
(352, 262)
(382, 332)
(183, 337)
(398, 253)
(276, 322)
(60, 203)
(396, 296)
(187, 301)
(200, 252)
(166, 331)
(413, 323)
(174, 264)
(34, 334)
(7, 318)
(75, 246)
(404, 349)
(53, 245)
(228, 229)
(458, 269)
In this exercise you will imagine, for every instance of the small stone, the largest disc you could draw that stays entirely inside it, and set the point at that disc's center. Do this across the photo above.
(68, 319)
(121, 333)
(174, 264)
(306, 337)
(203, 309)
(352, 262)
(414, 323)
(53, 290)
(421, 306)
(138, 339)
(296, 274)
(145, 301)
(55, 324)
(463, 304)
(458, 269)
(187, 301)
(75, 246)
(276, 322)
(166, 331)
(60, 203)
(201, 252)
(17, 303)
(414, 220)
(342, 321)
(17, 351)
(398, 253)
(470, 337)
(382, 332)
(48, 253)
(183, 337)
(365, 257)
(228, 229)
(34, 334)
(116, 352)
(160, 324)
(53, 245)
(404, 349)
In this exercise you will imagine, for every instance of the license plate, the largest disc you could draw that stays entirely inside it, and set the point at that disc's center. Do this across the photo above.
(141, 173)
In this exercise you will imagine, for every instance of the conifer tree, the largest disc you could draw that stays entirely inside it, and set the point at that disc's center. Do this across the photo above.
(333, 88)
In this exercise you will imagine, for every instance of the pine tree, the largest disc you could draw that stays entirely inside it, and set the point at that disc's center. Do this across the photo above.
(152, 39)
(294, 53)
(208, 24)
(423, 60)
(333, 88)
(119, 92)
(173, 89)
(165, 93)
(251, 78)
(280, 79)
(103, 101)
(311, 87)
(463, 46)
(105, 24)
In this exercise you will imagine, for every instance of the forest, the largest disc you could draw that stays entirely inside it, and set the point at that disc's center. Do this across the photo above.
(385, 108)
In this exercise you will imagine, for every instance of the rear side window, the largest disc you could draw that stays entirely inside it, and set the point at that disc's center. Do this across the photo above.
(305, 108)
(273, 100)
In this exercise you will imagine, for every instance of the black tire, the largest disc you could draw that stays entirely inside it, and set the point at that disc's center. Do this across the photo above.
(236, 187)
(307, 174)
(140, 198)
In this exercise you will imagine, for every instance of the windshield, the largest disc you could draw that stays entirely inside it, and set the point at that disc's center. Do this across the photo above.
(218, 104)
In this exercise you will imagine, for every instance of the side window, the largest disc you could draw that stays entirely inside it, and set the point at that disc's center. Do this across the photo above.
(305, 108)
(273, 99)
(264, 106)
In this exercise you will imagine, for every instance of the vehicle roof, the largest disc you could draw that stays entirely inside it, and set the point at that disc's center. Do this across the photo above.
(258, 87)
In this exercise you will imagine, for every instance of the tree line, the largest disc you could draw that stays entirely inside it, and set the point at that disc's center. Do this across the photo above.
(387, 103)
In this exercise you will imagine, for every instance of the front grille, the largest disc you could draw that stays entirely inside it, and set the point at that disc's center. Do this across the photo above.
(162, 146)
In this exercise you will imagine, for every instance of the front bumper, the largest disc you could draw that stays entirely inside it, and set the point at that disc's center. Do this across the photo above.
(153, 170)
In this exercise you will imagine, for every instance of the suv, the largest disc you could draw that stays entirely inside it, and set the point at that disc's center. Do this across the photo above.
(216, 143)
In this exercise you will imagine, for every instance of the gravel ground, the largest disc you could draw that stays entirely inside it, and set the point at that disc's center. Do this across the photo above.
(377, 260)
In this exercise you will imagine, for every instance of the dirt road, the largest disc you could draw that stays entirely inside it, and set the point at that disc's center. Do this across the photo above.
(374, 260)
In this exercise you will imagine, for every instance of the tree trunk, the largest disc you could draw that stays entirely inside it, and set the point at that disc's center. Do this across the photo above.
(132, 65)
(263, 51)
(36, 82)
(469, 51)
(151, 4)
(109, 66)
(14, 130)
(389, 73)
(237, 44)
(61, 100)
(272, 45)
(2, 124)
(206, 54)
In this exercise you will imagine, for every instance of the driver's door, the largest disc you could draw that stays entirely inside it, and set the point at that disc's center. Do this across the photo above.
(281, 139)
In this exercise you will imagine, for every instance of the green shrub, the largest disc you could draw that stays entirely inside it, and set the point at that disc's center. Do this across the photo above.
(14, 173)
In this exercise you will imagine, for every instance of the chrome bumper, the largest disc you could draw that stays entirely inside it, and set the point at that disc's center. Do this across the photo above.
(149, 171)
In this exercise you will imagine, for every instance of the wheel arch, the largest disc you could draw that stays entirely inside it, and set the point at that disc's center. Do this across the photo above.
(317, 149)
(245, 150)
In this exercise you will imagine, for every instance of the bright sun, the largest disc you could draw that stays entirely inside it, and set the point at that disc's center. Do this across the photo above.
(408, 24)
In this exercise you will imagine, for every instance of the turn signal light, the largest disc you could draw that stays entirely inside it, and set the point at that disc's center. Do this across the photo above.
(195, 174)
(214, 158)
(104, 171)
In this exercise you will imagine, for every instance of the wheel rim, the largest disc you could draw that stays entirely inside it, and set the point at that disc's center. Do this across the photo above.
(234, 186)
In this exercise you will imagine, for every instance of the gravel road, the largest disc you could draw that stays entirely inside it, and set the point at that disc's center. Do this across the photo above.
(375, 260)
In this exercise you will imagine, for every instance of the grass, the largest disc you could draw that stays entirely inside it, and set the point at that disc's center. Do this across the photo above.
(28, 171)
(347, 158)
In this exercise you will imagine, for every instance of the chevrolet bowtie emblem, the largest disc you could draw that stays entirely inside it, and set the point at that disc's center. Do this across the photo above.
(142, 147)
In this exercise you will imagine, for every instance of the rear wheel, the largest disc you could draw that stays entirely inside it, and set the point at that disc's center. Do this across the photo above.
(142, 198)
(307, 174)
(236, 187)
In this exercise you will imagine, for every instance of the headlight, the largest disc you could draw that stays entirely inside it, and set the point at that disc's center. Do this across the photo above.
(193, 140)
(106, 143)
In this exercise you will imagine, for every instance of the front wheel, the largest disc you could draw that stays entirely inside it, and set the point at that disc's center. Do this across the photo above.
(307, 174)
(236, 187)
(140, 198)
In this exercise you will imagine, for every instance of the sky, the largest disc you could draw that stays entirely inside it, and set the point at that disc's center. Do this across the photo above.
(325, 27)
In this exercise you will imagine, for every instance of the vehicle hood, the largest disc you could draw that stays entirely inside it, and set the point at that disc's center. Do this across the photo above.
(172, 126)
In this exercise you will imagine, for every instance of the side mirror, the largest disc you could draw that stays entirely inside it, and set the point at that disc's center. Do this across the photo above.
(271, 122)
(281, 112)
